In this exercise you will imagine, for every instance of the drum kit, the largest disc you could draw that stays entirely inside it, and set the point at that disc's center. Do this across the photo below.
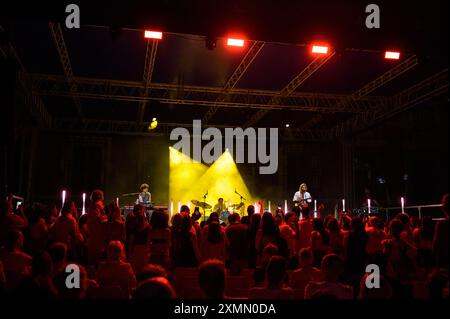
(223, 214)
(229, 208)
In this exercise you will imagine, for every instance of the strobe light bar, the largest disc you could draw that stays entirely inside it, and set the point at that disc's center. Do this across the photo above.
(153, 35)
(392, 55)
(235, 42)
(320, 49)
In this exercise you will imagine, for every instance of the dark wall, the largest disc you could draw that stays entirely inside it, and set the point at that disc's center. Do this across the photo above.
(414, 143)
(116, 164)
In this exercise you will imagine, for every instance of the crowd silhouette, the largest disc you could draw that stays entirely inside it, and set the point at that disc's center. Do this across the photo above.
(280, 255)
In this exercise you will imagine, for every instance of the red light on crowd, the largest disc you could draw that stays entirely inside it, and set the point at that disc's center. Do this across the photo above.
(235, 42)
(153, 34)
(320, 49)
(392, 55)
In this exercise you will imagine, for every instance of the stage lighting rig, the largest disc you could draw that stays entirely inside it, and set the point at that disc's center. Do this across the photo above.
(153, 124)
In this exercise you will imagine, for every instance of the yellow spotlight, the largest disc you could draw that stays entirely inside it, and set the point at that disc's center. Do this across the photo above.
(221, 180)
(183, 174)
(191, 180)
(153, 124)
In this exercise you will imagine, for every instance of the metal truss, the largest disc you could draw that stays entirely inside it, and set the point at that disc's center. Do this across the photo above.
(116, 127)
(150, 57)
(31, 100)
(421, 92)
(58, 39)
(200, 95)
(434, 86)
(235, 77)
(291, 87)
(391, 74)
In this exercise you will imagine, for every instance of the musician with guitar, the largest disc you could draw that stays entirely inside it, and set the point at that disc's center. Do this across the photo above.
(302, 197)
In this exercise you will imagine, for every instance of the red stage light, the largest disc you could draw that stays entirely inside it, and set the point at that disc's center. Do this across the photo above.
(392, 55)
(153, 34)
(319, 49)
(235, 42)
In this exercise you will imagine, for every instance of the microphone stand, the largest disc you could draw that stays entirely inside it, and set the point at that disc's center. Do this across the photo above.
(204, 210)
(242, 198)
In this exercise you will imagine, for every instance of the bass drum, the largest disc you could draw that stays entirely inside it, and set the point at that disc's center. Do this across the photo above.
(223, 216)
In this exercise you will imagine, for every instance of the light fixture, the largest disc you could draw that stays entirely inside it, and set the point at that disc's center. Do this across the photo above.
(392, 55)
(319, 49)
(235, 42)
(153, 124)
(153, 35)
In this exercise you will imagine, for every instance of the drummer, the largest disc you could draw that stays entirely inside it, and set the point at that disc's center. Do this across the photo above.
(220, 206)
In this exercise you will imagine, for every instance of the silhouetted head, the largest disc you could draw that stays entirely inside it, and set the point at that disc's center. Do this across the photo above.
(276, 271)
(268, 226)
(151, 271)
(184, 209)
(395, 228)
(211, 278)
(250, 210)
(115, 251)
(305, 257)
(97, 195)
(234, 218)
(159, 220)
(332, 267)
(155, 288)
(333, 225)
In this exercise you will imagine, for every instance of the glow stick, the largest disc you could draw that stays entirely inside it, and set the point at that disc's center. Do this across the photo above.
(368, 205)
(84, 204)
(402, 200)
(343, 205)
(63, 197)
(285, 206)
(269, 207)
(315, 208)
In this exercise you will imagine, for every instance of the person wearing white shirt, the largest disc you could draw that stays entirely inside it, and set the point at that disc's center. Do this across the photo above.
(302, 196)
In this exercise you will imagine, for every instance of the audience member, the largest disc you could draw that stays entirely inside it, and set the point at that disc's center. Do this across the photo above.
(211, 279)
(275, 285)
(307, 272)
(332, 269)
(115, 271)
(160, 238)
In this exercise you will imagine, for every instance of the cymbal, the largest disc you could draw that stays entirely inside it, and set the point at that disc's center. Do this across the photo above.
(201, 204)
(129, 194)
(236, 206)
